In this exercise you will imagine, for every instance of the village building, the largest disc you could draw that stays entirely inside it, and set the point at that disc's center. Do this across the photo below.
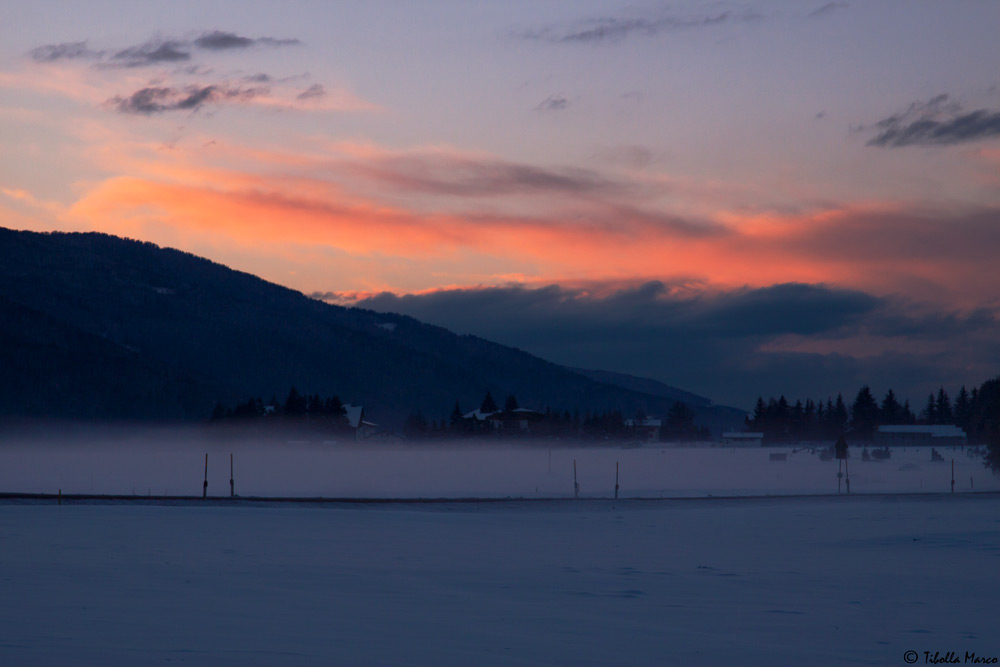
(645, 429)
(917, 435)
(356, 421)
(742, 439)
(520, 419)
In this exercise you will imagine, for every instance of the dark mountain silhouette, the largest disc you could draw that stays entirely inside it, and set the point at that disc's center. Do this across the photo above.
(646, 386)
(95, 326)
(716, 417)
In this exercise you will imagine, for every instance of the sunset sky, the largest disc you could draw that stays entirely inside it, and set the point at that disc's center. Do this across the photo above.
(733, 198)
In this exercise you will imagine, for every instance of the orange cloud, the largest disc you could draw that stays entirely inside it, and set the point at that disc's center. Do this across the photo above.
(259, 199)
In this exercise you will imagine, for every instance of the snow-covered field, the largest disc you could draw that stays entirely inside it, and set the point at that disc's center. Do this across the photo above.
(814, 579)
(779, 581)
(161, 464)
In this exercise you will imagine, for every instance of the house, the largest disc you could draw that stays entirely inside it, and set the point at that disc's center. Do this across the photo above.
(478, 415)
(356, 420)
(742, 439)
(519, 419)
(645, 429)
(917, 435)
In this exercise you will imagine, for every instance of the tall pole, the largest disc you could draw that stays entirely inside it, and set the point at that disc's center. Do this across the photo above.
(204, 487)
(953, 475)
(232, 486)
(576, 487)
(847, 477)
(616, 480)
(840, 473)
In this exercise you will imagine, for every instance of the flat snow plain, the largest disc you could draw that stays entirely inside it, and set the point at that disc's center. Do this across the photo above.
(778, 581)
(163, 464)
(807, 580)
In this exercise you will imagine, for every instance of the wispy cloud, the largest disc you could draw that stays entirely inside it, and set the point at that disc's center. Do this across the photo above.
(553, 103)
(218, 40)
(827, 9)
(618, 28)
(148, 101)
(64, 51)
(440, 173)
(155, 51)
(186, 84)
(313, 92)
(939, 121)
(151, 53)
(221, 41)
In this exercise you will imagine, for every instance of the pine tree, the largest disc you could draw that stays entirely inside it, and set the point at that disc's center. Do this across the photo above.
(809, 419)
(929, 415)
(510, 404)
(679, 423)
(759, 410)
(295, 403)
(489, 405)
(891, 411)
(798, 420)
(943, 408)
(963, 408)
(839, 420)
(456, 415)
(908, 416)
(335, 412)
(416, 426)
(864, 413)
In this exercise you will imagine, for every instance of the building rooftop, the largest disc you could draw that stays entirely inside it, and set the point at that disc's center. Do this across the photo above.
(934, 430)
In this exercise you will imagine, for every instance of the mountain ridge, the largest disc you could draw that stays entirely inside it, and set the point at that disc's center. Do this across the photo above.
(181, 332)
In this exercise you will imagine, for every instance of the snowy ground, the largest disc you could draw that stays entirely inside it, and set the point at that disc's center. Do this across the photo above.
(792, 581)
(169, 464)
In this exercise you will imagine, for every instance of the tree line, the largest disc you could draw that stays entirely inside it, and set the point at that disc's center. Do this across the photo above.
(977, 412)
(512, 422)
(781, 421)
(297, 410)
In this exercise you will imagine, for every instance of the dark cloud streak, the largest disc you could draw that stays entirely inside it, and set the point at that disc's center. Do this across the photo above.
(153, 100)
(220, 41)
(553, 103)
(217, 40)
(827, 9)
(152, 53)
(938, 122)
(313, 92)
(155, 51)
(616, 29)
(64, 51)
(464, 177)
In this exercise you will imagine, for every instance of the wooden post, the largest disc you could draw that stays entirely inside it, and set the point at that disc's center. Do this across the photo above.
(576, 487)
(204, 487)
(840, 473)
(847, 477)
(232, 486)
(953, 475)
(616, 480)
